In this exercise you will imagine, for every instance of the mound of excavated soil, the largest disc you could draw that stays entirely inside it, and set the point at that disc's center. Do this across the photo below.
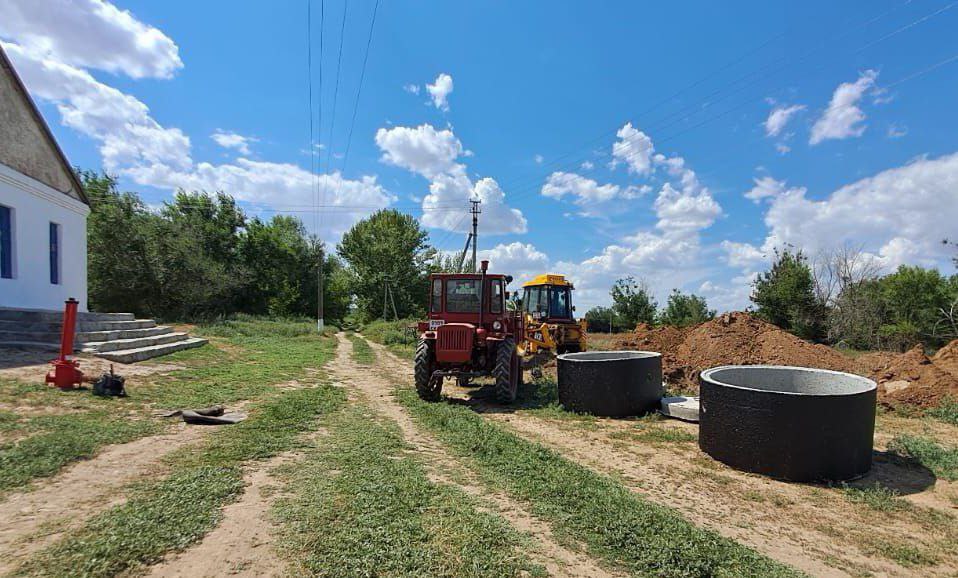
(739, 338)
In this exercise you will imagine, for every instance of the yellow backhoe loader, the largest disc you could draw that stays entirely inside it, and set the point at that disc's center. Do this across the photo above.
(550, 324)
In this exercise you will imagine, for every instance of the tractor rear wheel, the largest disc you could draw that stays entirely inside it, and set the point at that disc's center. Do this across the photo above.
(507, 371)
(427, 386)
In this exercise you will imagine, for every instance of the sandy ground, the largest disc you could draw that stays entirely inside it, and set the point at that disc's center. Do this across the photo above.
(377, 384)
(30, 520)
(813, 528)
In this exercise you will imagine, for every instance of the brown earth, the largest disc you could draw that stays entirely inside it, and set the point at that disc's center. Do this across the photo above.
(739, 338)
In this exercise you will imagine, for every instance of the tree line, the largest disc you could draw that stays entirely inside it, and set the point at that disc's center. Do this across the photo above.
(199, 257)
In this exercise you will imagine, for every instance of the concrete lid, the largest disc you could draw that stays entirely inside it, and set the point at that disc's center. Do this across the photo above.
(788, 380)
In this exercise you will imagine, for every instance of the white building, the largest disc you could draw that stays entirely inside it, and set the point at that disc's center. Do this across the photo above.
(43, 209)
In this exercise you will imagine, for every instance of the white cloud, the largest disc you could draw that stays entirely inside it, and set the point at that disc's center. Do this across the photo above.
(521, 260)
(685, 211)
(423, 149)
(121, 123)
(586, 192)
(89, 34)
(134, 145)
(901, 214)
(768, 188)
(587, 165)
(742, 255)
(439, 91)
(843, 118)
(782, 148)
(411, 88)
(282, 186)
(779, 118)
(232, 140)
(538, 159)
(434, 154)
(634, 148)
(897, 131)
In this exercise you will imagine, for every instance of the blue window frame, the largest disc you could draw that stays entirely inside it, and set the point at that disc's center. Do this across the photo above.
(6, 242)
(54, 253)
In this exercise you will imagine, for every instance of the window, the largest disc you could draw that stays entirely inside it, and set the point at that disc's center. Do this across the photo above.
(559, 303)
(536, 301)
(462, 295)
(495, 297)
(436, 297)
(6, 242)
(54, 253)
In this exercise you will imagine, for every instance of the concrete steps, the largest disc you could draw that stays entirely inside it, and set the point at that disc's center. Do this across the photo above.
(119, 337)
(142, 353)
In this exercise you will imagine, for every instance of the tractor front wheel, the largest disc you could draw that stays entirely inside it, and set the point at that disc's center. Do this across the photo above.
(427, 386)
(507, 371)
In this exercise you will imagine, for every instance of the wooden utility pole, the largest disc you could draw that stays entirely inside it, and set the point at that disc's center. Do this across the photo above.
(475, 230)
(320, 325)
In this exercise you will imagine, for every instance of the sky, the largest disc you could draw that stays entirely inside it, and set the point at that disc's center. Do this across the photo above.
(678, 143)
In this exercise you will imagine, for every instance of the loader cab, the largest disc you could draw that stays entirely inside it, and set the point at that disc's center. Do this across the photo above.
(548, 298)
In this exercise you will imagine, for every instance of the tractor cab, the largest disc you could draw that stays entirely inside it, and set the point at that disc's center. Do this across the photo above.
(468, 333)
(550, 324)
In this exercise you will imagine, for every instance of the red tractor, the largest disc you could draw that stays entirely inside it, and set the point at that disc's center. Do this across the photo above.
(469, 333)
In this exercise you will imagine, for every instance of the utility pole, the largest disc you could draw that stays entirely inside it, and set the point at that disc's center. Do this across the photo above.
(320, 325)
(475, 229)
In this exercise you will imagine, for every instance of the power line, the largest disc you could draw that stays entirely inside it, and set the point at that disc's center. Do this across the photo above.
(332, 121)
(359, 91)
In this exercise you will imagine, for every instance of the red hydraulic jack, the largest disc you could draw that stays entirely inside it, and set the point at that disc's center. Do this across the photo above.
(66, 372)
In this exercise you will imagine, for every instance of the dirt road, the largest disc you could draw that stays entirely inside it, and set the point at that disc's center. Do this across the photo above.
(816, 529)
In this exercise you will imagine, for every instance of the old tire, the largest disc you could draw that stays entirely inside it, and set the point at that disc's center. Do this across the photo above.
(506, 371)
(427, 387)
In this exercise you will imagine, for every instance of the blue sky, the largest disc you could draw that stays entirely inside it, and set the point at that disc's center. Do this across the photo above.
(680, 144)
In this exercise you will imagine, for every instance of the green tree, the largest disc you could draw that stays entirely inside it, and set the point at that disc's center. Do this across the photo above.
(785, 296)
(602, 320)
(388, 249)
(683, 310)
(913, 298)
(632, 302)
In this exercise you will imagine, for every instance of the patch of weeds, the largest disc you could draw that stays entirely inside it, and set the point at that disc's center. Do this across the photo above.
(363, 354)
(947, 411)
(178, 510)
(615, 523)
(62, 439)
(876, 497)
(903, 554)
(361, 506)
(656, 435)
(395, 335)
(942, 461)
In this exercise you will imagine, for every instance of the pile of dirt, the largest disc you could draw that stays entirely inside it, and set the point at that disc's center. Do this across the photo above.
(739, 338)
(731, 339)
(914, 379)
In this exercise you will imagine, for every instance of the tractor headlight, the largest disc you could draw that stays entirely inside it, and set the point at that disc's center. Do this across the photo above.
(496, 325)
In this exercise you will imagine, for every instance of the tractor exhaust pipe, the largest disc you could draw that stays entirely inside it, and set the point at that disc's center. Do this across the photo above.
(482, 288)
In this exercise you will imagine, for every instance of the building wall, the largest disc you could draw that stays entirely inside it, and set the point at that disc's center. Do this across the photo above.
(35, 205)
(24, 144)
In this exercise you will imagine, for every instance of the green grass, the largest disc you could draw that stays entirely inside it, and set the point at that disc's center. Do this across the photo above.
(876, 497)
(947, 411)
(615, 523)
(942, 461)
(178, 510)
(253, 355)
(656, 435)
(362, 352)
(393, 334)
(60, 440)
(361, 506)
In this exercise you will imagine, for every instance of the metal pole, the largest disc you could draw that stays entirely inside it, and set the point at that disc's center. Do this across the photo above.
(320, 322)
(475, 230)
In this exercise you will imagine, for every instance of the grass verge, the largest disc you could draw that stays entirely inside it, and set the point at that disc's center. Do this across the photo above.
(361, 506)
(942, 461)
(178, 510)
(395, 335)
(363, 354)
(612, 521)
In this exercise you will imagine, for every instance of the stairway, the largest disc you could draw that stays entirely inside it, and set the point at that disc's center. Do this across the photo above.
(117, 337)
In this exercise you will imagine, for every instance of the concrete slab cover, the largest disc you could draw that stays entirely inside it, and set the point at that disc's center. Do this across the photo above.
(679, 407)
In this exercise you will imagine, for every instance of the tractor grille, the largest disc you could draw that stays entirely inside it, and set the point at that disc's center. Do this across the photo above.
(454, 342)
